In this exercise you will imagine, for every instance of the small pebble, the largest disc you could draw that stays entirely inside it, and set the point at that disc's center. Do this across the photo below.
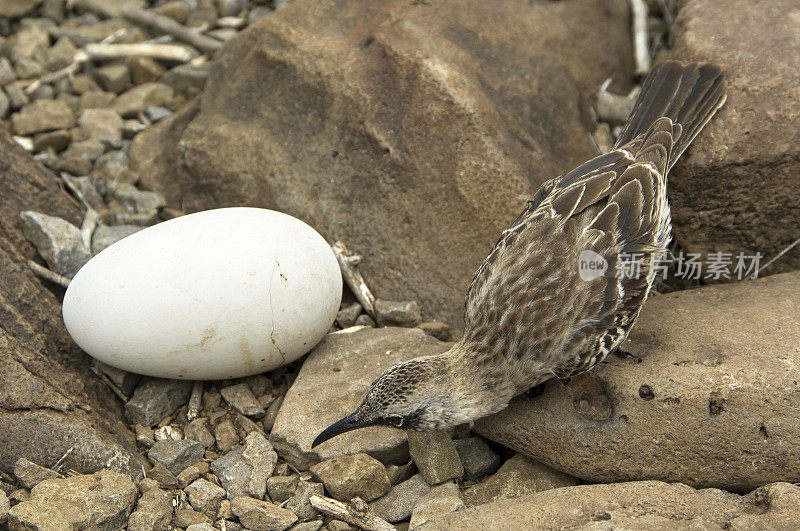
(241, 398)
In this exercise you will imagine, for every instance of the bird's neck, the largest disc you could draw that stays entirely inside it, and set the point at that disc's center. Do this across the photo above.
(478, 386)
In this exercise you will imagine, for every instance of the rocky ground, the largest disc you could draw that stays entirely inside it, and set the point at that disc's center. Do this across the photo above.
(412, 131)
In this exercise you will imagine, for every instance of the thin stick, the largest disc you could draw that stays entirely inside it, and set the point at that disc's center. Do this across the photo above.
(193, 411)
(61, 461)
(174, 53)
(46, 274)
(640, 44)
(88, 226)
(356, 512)
(347, 263)
(791, 246)
(111, 385)
(611, 107)
(169, 26)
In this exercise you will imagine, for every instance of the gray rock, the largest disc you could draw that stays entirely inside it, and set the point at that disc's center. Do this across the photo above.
(60, 54)
(31, 42)
(442, 499)
(332, 383)
(366, 320)
(187, 80)
(99, 501)
(17, 8)
(350, 476)
(192, 472)
(54, 10)
(145, 69)
(30, 474)
(260, 515)
(281, 488)
(7, 74)
(477, 458)
(518, 476)
(399, 503)
(197, 430)
(156, 113)
(105, 236)
(435, 456)
(176, 455)
(348, 314)
(5, 506)
(126, 381)
(399, 473)
(141, 97)
(308, 526)
(135, 201)
(437, 329)
(161, 475)
(58, 242)
(186, 516)
(201, 527)
(205, 497)
(155, 399)
(44, 92)
(226, 436)
(634, 505)
(241, 398)
(391, 313)
(18, 98)
(94, 99)
(28, 68)
(113, 166)
(230, 8)
(272, 414)
(153, 511)
(43, 115)
(103, 125)
(115, 77)
(56, 140)
(85, 187)
(5, 104)
(300, 505)
(244, 470)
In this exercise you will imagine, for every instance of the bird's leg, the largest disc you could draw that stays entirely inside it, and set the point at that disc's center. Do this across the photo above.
(534, 392)
(624, 354)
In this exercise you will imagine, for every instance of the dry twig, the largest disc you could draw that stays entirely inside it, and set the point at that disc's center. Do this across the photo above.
(174, 53)
(640, 39)
(348, 262)
(356, 512)
(204, 43)
(193, 411)
(46, 274)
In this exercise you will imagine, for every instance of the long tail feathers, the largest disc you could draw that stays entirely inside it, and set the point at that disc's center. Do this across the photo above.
(689, 95)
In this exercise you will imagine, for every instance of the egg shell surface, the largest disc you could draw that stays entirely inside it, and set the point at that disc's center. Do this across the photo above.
(218, 294)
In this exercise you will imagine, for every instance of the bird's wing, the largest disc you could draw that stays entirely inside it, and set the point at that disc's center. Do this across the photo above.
(607, 205)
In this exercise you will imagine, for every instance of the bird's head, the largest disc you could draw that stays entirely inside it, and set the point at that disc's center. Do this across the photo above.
(413, 395)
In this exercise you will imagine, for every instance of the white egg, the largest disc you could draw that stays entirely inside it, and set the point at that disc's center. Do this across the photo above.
(217, 294)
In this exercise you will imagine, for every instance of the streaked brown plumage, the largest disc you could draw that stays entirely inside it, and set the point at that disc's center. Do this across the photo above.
(529, 316)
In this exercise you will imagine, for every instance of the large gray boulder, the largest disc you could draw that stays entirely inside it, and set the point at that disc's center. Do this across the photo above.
(50, 401)
(736, 189)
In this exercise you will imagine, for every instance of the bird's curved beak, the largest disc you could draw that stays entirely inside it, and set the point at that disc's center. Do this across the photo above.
(340, 426)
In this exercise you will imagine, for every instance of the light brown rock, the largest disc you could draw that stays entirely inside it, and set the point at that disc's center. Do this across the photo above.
(42, 115)
(350, 476)
(442, 499)
(435, 455)
(438, 119)
(332, 383)
(516, 477)
(261, 515)
(100, 501)
(636, 505)
(713, 402)
(16, 8)
(753, 141)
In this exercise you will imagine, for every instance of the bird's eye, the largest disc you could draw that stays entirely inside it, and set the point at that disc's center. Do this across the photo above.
(396, 420)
